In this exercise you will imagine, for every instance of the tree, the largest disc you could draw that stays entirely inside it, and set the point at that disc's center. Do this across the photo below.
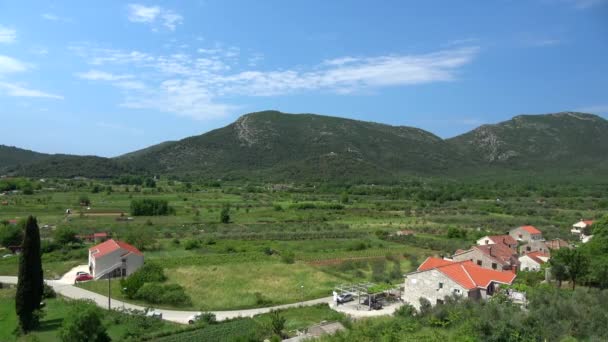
(225, 214)
(65, 235)
(574, 264)
(30, 286)
(11, 235)
(140, 237)
(83, 324)
(84, 200)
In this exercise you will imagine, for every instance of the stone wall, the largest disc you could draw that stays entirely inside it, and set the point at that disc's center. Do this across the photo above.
(427, 284)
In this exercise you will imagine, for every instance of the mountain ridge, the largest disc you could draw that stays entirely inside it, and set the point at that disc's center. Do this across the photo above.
(275, 145)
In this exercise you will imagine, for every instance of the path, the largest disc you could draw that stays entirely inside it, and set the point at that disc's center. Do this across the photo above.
(71, 291)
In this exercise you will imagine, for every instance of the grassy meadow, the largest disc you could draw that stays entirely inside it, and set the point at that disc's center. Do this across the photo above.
(280, 237)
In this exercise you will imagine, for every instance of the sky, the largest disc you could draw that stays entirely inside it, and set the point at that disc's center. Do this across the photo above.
(110, 77)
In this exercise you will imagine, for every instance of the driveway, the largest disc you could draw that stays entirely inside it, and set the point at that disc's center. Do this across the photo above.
(70, 276)
(70, 291)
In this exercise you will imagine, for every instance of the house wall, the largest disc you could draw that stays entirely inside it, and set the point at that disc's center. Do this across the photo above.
(476, 256)
(527, 264)
(426, 284)
(520, 234)
(134, 262)
(484, 241)
(534, 246)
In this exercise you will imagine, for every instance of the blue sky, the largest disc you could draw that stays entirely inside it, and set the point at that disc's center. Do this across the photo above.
(110, 77)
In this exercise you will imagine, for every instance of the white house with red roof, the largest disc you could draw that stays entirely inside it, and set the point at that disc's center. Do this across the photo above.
(526, 234)
(114, 259)
(580, 228)
(438, 278)
(533, 261)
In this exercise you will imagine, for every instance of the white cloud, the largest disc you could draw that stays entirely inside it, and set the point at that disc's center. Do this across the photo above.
(193, 86)
(7, 35)
(139, 13)
(96, 75)
(11, 65)
(19, 91)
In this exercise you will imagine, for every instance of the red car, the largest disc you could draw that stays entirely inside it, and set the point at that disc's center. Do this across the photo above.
(84, 277)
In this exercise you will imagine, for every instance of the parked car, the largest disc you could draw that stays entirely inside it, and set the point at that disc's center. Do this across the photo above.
(154, 314)
(376, 304)
(84, 277)
(81, 273)
(344, 298)
(194, 318)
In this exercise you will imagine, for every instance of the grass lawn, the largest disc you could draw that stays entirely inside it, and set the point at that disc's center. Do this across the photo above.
(56, 311)
(304, 317)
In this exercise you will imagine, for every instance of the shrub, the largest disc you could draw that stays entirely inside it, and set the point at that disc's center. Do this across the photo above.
(151, 207)
(192, 244)
(84, 323)
(150, 272)
(155, 293)
(48, 292)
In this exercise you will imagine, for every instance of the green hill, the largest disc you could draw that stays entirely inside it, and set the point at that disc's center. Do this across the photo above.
(11, 156)
(271, 145)
(305, 146)
(565, 141)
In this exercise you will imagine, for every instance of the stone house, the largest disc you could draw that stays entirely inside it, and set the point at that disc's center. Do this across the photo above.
(494, 256)
(437, 278)
(114, 259)
(506, 240)
(533, 261)
(526, 234)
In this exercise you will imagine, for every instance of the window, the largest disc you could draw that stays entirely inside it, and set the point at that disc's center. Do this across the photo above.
(456, 291)
(479, 262)
(528, 248)
(440, 285)
(494, 266)
(439, 301)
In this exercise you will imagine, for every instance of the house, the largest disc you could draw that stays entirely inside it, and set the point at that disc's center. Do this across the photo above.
(506, 240)
(493, 256)
(526, 234)
(556, 244)
(437, 278)
(114, 259)
(534, 246)
(533, 261)
(579, 227)
(95, 237)
(582, 228)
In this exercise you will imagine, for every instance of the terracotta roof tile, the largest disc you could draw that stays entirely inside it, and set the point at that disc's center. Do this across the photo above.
(531, 229)
(110, 246)
(503, 239)
(467, 274)
(498, 252)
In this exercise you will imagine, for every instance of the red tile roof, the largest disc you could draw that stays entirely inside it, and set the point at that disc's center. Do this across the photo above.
(467, 274)
(498, 252)
(536, 257)
(100, 234)
(503, 239)
(588, 222)
(531, 229)
(111, 246)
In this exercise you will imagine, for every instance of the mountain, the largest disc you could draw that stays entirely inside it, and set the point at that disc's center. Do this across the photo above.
(567, 140)
(271, 145)
(13, 156)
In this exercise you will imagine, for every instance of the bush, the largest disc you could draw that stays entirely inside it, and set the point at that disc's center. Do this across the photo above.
(151, 207)
(155, 293)
(192, 244)
(148, 273)
(84, 323)
(48, 292)
(225, 214)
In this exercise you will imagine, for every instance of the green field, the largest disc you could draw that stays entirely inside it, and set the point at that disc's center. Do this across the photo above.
(279, 238)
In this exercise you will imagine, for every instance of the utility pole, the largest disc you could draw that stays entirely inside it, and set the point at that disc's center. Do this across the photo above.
(109, 292)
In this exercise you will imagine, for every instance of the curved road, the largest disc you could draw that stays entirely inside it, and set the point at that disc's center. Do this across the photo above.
(71, 291)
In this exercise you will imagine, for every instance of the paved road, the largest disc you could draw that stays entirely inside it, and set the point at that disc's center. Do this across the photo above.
(70, 291)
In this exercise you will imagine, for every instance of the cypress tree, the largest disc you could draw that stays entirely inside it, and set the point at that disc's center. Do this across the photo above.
(30, 284)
